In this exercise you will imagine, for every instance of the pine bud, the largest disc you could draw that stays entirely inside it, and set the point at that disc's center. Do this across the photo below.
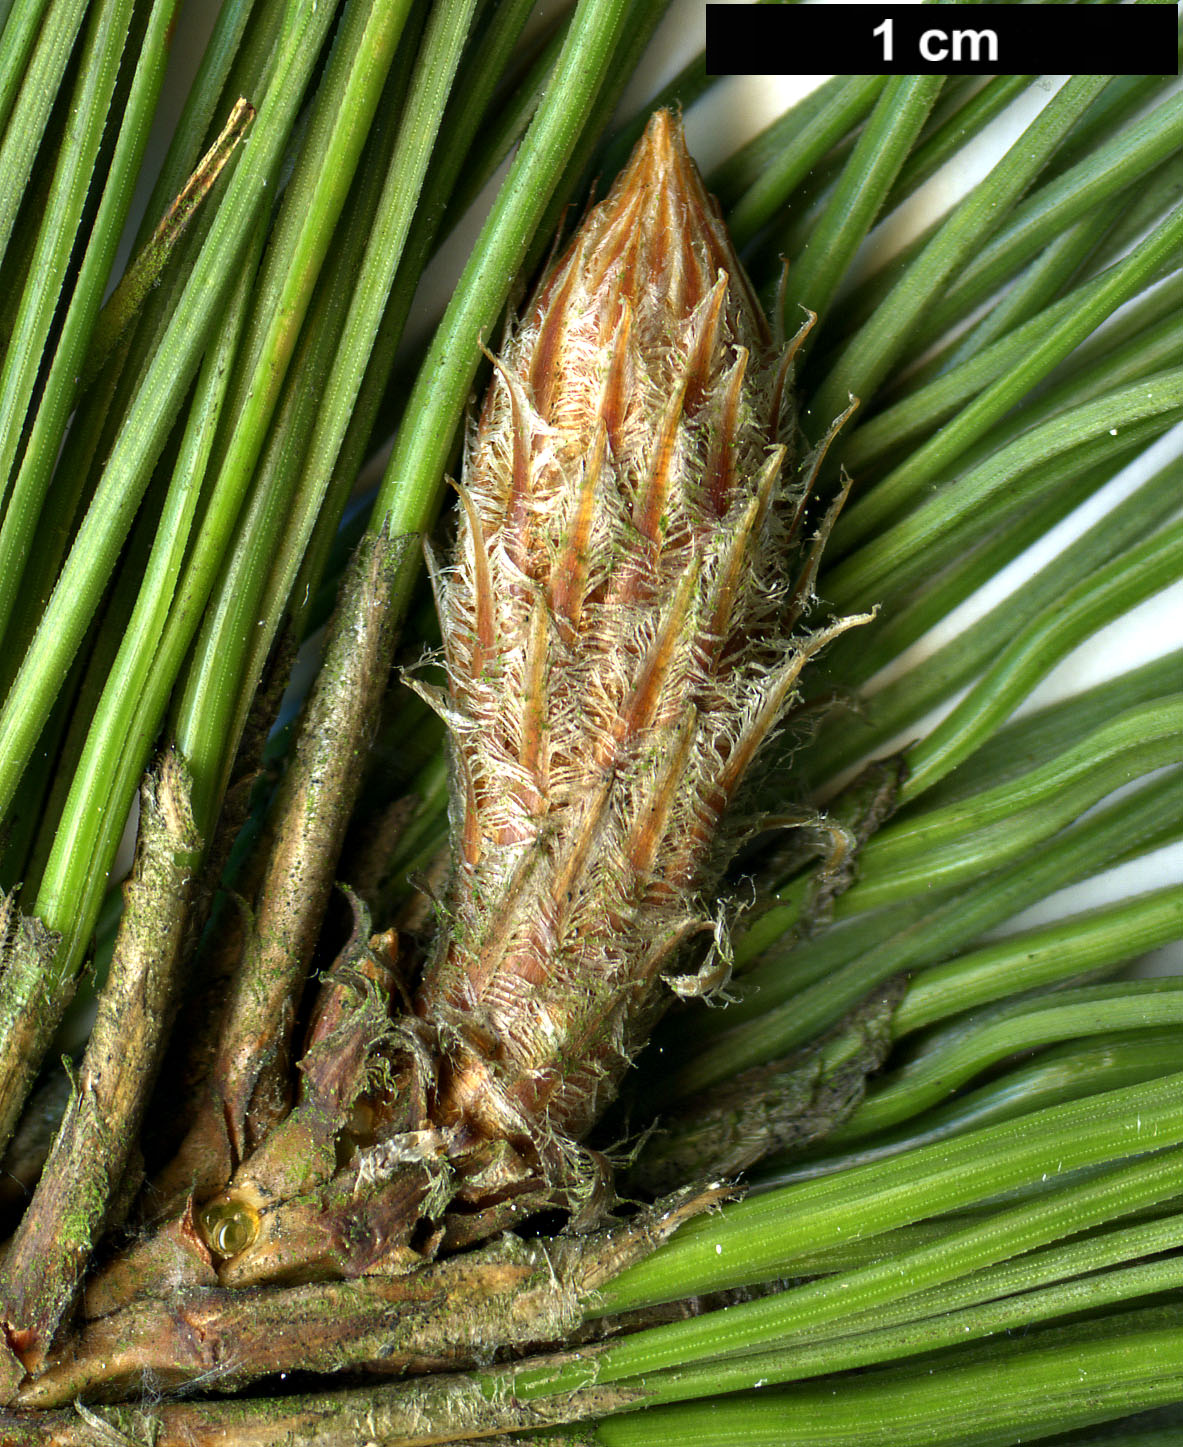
(617, 622)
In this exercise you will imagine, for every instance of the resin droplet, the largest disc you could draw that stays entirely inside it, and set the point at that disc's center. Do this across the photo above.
(228, 1226)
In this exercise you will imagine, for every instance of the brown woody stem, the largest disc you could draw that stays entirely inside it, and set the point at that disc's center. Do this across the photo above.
(442, 1317)
(247, 1087)
(47, 1256)
(447, 1409)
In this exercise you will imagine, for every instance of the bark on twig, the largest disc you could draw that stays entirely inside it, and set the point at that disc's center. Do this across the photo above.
(49, 1253)
(449, 1315)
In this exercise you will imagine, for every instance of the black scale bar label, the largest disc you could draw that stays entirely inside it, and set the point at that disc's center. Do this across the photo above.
(947, 39)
